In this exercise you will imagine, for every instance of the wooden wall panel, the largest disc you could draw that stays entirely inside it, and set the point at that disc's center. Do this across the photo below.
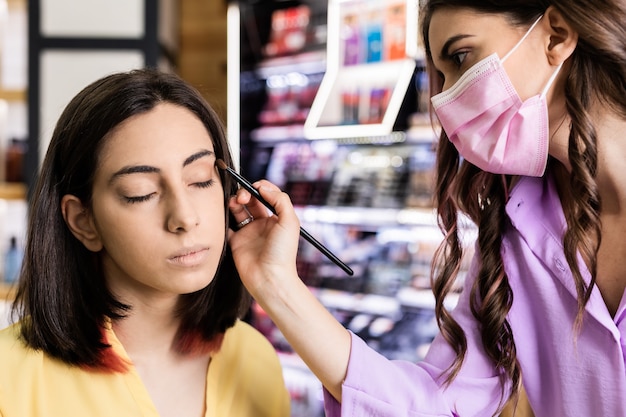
(202, 54)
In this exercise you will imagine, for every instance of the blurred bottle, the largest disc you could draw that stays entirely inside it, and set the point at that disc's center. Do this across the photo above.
(12, 261)
(14, 161)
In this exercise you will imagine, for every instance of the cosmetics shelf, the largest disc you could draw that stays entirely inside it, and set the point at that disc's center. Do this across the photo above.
(13, 99)
(372, 217)
(421, 133)
(13, 95)
(12, 191)
(380, 305)
(312, 62)
(400, 329)
(265, 135)
(7, 291)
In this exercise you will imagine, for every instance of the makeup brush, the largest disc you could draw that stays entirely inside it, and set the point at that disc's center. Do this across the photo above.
(306, 235)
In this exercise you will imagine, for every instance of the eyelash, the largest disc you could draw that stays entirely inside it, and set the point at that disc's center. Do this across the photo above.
(456, 60)
(142, 198)
(205, 184)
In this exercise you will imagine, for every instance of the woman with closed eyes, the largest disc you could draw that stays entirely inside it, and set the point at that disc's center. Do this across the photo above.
(129, 303)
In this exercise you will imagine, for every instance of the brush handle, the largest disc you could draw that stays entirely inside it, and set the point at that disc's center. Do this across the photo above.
(305, 235)
(248, 186)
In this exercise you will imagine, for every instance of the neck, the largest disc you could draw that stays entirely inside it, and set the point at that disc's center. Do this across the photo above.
(611, 152)
(559, 122)
(611, 162)
(148, 329)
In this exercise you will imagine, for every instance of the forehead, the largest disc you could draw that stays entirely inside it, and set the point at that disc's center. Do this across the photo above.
(165, 133)
(448, 22)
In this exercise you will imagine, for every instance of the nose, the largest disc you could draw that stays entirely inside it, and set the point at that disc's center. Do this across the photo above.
(181, 213)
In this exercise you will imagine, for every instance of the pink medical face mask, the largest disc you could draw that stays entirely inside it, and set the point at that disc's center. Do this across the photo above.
(488, 123)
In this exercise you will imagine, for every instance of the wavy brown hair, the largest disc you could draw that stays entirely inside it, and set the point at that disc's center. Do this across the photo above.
(597, 74)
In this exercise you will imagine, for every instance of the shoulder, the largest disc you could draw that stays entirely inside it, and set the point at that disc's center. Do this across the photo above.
(10, 342)
(14, 352)
(247, 355)
(247, 350)
(15, 357)
(243, 336)
(248, 368)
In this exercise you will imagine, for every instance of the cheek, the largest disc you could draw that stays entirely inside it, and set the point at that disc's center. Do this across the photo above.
(135, 238)
(211, 207)
(213, 222)
(526, 75)
(122, 230)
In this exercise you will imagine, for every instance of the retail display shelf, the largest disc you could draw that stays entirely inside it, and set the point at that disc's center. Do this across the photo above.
(368, 303)
(364, 216)
(423, 132)
(273, 134)
(304, 63)
(12, 191)
(16, 3)
(363, 72)
(12, 95)
(295, 132)
(7, 291)
(424, 298)
(419, 298)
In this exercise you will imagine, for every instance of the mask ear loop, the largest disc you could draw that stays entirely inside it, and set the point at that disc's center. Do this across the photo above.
(556, 71)
(551, 80)
(521, 40)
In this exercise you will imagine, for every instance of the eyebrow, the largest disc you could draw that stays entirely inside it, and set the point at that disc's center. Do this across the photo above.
(148, 169)
(445, 49)
(197, 156)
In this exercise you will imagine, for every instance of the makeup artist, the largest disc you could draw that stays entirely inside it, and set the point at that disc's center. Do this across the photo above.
(129, 303)
(531, 97)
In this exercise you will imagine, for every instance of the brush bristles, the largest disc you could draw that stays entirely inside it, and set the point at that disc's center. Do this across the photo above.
(221, 164)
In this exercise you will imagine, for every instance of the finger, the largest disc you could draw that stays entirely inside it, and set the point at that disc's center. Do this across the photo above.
(236, 206)
(258, 209)
(239, 211)
(255, 203)
(267, 185)
(241, 197)
(278, 199)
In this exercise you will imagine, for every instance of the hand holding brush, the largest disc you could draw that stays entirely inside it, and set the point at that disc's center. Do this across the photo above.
(306, 235)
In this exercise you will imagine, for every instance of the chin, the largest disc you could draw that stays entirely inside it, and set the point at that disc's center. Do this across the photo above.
(196, 284)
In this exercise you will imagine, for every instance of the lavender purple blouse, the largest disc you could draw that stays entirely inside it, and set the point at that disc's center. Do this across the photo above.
(564, 373)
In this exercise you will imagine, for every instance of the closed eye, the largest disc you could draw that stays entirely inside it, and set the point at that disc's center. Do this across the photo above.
(138, 199)
(204, 184)
(143, 198)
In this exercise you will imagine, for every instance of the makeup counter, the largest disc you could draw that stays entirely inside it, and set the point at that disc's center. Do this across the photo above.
(334, 111)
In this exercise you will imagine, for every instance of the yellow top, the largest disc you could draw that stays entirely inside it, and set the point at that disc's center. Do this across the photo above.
(244, 380)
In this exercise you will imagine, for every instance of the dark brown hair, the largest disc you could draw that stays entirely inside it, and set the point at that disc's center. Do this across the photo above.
(597, 73)
(62, 299)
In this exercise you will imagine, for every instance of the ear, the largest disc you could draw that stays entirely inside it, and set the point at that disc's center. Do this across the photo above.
(562, 37)
(80, 222)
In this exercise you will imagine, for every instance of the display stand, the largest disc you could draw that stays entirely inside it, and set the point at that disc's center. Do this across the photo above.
(371, 60)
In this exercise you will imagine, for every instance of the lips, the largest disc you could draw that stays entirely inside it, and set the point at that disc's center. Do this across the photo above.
(190, 256)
